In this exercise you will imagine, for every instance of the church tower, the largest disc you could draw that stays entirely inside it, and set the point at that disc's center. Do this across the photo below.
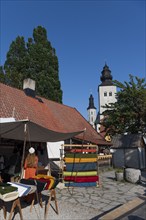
(91, 111)
(106, 90)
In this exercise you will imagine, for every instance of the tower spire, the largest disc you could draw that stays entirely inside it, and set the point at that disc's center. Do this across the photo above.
(91, 111)
(106, 90)
(91, 103)
(106, 77)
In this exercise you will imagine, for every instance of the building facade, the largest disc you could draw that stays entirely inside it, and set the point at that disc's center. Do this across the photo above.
(106, 95)
(91, 111)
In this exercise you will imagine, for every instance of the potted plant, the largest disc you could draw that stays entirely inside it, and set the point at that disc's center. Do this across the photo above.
(119, 174)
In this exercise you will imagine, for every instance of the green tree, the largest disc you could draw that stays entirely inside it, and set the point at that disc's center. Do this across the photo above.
(2, 75)
(15, 64)
(37, 60)
(128, 114)
(43, 65)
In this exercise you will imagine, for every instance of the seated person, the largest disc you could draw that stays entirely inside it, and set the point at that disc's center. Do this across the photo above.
(30, 164)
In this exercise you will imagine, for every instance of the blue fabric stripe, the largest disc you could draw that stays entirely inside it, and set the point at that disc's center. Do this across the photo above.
(81, 166)
(87, 184)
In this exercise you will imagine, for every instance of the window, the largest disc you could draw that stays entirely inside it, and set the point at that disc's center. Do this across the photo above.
(110, 93)
(105, 93)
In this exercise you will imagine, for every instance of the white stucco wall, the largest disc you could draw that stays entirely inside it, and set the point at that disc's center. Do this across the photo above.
(103, 100)
(53, 149)
(92, 116)
(7, 119)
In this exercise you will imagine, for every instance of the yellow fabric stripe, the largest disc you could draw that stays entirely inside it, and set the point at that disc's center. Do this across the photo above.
(51, 179)
(88, 173)
(80, 160)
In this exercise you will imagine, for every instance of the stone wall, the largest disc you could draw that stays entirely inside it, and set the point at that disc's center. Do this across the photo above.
(126, 158)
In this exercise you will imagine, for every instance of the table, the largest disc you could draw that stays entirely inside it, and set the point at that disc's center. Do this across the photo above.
(9, 194)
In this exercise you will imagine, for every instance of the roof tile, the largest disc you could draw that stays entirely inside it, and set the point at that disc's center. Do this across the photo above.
(49, 114)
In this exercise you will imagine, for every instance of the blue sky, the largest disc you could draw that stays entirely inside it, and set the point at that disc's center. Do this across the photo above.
(85, 34)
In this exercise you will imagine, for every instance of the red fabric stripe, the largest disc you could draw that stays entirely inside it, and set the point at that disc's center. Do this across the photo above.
(81, 150)
(81, 179)
(44, 181)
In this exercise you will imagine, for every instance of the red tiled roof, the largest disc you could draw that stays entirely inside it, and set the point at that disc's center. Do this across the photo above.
(49, 114)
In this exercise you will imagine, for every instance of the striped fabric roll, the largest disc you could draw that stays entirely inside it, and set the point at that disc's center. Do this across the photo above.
(84, 150)
(80, 155)
(80, 160)
(50, 180)
(81, 179)
(87, 173)
(88, 184)
(81, 166)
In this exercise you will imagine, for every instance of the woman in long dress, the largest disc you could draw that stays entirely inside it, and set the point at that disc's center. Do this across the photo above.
(30, 165)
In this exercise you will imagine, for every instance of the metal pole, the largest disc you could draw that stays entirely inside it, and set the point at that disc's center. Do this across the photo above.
(23, 154)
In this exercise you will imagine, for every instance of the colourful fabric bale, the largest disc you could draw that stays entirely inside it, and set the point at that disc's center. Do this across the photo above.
(81, 166)
(88, 184)
(81, 179)
(81, 150)
(86, 173)
(50, 180)
(80, 160)
(7, 188)
(36, 182)
(81, 155)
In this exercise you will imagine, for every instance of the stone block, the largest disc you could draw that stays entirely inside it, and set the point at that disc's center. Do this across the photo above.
(132, 175)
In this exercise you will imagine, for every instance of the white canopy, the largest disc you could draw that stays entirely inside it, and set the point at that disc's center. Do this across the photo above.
(30, 131)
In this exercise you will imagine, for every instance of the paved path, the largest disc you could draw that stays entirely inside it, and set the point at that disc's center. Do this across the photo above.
(87, 203)
(138, 214)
